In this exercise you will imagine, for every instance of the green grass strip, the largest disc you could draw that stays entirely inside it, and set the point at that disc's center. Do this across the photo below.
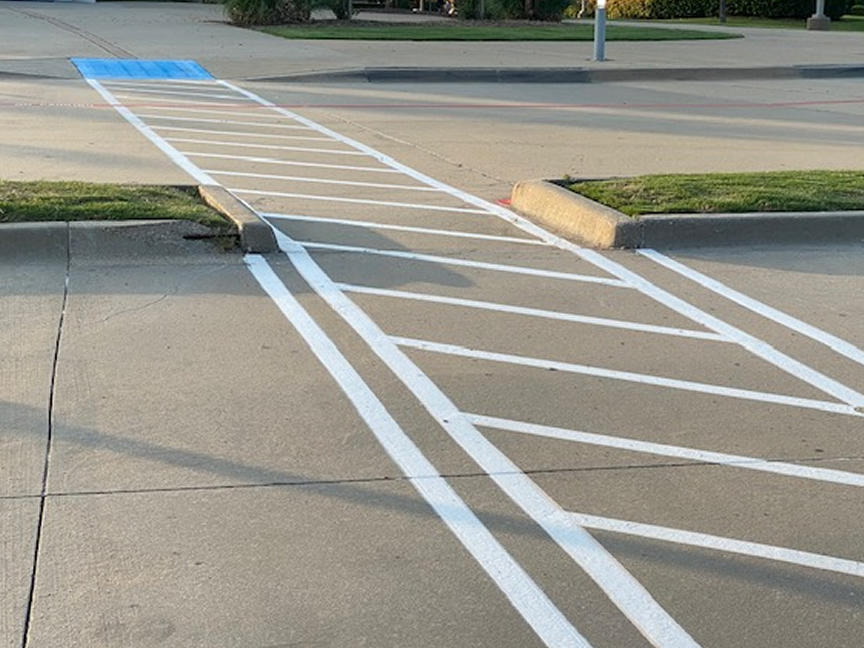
(715, 193)
(79, 201)
(460, 31)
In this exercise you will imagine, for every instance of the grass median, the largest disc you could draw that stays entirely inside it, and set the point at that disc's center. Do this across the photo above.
(725, 193)
(80, 201)
(482, 31)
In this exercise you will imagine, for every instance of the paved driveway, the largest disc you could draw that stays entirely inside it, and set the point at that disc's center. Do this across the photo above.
(446, 426)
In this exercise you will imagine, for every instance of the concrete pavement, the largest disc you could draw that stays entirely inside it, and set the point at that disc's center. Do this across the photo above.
(180, 468)
(184, 31)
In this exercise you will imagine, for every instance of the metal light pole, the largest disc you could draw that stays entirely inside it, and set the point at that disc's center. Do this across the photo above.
(600, 31)
(819, 21)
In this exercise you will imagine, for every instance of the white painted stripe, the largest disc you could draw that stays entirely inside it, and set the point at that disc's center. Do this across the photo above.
(453, 261)
(403, 228)
(622, 588)
(719, 543)
(702, 456)
(131, 93)
(833, 342)
(250, 134)
(619, 585)
(147, 132)
(356, 201)
(314, 165)
(535, 312)
(232, 122)
(523, 593)
(238, 112)
(265, 176)
(752, 344)
(145, 83)
(269, 147)
(644, 379)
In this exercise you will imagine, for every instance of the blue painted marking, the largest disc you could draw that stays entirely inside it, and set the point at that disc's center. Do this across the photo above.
(140, 69)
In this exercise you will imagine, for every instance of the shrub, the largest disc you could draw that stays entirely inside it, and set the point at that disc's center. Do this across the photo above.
(248, 13)
(338, 7)
(551, 10)
(492, 9)
(798, 9)
(659, 9)
(857, 10)
(665, 9)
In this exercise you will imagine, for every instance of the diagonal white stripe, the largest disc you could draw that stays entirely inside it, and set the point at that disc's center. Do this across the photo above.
(495, 267)
(703, 456)
(535, 312)
(619, 585)
(536, 608)
(719, 543)
(645, 379)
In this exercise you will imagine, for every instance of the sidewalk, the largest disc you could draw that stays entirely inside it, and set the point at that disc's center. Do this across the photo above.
(38, 39)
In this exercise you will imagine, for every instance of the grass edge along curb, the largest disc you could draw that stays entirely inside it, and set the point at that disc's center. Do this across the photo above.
(590, 223)
(72, 201)
(725, 193)
(460, 32)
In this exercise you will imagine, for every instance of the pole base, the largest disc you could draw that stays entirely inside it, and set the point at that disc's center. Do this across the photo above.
(819, 23)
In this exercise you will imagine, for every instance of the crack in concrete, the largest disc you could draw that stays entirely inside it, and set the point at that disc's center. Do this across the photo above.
(398, 478)
(52, 390)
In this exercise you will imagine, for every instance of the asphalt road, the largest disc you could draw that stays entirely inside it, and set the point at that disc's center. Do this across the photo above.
(429, 422)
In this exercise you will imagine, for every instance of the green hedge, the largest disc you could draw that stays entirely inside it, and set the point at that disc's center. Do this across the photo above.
(513, 9)
(665, 9)
(249, 13)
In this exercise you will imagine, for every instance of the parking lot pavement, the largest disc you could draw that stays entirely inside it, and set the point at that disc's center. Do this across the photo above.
(617, 398)
(425, 421)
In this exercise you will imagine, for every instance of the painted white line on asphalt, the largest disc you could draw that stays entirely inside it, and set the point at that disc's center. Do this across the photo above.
(230, 122)
(524, 594)
(644, 379)
(134, 94)
(702, 456)
(178, 158)
(719, 543)
(833, 342)
(535, 312)
(269, 147)
(265, 160)
(262, 112)
(403, 228)
(481, 265)
(751, 343)
(623, 590)
(250, 134)
(356, 201)
(177, 83)
(349, 183)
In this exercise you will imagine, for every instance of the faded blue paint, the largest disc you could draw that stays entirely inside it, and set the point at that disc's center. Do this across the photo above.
(139, 69)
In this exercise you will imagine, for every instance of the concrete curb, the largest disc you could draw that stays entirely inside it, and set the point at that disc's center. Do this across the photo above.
(33, 240)
(567, 75)
(256, 236)
(590, 223)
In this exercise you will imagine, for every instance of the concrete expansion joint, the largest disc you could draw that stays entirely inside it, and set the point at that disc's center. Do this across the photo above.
(587, 222)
